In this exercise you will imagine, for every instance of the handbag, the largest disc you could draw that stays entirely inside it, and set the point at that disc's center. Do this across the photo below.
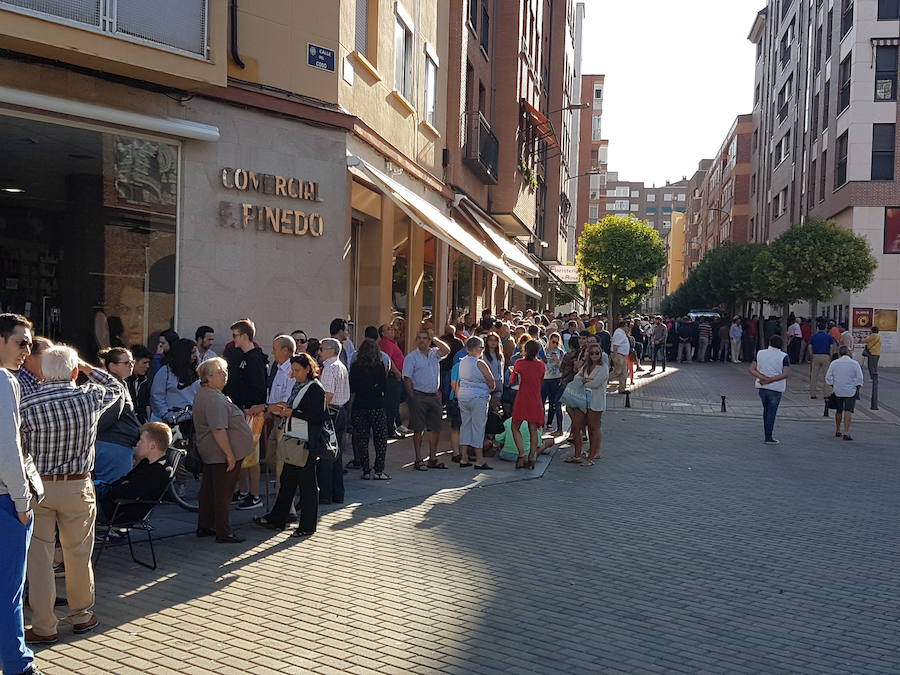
(832, 402)
(324, 444)
(287, 449)
(866, 352)
(575, 395)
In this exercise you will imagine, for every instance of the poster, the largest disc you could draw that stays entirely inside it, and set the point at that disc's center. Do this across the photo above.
(140, 175)
(885, 319)
(862, 317)
(859, 336)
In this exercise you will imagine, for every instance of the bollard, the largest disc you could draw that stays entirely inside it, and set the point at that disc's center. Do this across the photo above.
(627, 399)
(724, 409)
(874, 404)
(825, 414)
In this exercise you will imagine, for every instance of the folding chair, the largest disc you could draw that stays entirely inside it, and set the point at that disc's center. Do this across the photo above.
(174, 458)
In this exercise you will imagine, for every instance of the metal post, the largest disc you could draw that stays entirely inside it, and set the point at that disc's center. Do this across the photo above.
(628, 399)
(874, 404)
(825, 414)
(724, 409)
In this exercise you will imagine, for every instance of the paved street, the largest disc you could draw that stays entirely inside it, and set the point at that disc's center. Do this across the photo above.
(690, 548)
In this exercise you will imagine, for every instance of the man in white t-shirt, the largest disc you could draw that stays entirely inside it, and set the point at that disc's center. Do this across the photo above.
(771, 368)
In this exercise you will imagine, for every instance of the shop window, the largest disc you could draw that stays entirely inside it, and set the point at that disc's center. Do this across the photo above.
(883, 142)
(892, 230)
(88, 233)
(461, 284)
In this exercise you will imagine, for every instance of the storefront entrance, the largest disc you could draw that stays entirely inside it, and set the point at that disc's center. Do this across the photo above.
(87, 233)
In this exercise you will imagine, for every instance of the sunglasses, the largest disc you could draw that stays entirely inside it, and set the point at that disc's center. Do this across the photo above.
(24, 344)
(594, 353)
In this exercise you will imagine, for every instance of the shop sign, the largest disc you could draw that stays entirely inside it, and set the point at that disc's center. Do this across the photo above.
(567, 273)
(262, 218)
(320, 57)
(862, 317)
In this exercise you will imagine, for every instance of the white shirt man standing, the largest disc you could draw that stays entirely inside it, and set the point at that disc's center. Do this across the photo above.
(335, 380)
(771, 368)
(621, 347)
(845, 375)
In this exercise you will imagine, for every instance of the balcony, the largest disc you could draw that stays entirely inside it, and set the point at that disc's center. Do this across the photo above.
(174, 25)
(482, 148)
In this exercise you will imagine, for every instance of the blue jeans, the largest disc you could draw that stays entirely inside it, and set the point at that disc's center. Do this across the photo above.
(15, 537)
(113, 461)
(550, 391)
(659, 352)
(331, 474)
(770, 400)
(392, 394)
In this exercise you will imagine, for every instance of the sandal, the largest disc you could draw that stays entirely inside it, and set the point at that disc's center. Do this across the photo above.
(573, 460)
(589, 462)
(483, 467)
(367, 476)
(434, 464)
(521, 462)
(456, 458)
(262, 521)
(381, 475)
(420, 466)
(463, 465)
(300, 534)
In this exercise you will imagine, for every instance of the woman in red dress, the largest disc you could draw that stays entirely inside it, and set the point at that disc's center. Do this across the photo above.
(528, 407)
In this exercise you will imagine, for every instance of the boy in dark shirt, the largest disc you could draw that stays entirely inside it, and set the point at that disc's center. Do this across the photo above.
(146, 480)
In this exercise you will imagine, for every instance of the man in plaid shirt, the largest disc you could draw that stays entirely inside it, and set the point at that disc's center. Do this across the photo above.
(59, 429)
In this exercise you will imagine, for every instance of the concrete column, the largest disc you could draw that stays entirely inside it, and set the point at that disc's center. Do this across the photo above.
(442, 281)
(416, 281)
(376, 246)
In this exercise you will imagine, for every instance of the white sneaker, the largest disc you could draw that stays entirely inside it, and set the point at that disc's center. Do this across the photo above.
(774, 441)
(403, 429)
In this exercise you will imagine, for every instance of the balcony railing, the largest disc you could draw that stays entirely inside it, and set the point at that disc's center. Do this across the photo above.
(176, 25)
(482, 148)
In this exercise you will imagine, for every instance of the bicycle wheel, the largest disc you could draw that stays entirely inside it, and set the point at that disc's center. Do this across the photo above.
(185, 490)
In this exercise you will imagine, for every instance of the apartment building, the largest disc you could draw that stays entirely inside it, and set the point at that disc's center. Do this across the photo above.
(593, 154)
(825, 137)
(194, 158)
(695, 223)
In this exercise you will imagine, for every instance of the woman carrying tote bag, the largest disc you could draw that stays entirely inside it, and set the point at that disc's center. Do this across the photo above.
(304, 414)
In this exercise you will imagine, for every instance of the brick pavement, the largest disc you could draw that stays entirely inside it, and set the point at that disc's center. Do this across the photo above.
(690, 548)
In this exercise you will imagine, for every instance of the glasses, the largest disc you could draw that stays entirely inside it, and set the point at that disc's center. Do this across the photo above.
(124, 363)
(595, 353)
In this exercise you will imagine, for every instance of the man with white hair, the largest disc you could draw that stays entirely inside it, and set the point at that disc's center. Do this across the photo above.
(59, 429)
(335, 380)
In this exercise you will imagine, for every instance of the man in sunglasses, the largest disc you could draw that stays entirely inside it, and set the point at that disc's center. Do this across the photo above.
(19, 484)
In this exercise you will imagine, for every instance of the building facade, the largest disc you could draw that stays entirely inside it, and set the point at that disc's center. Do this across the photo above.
(182, 170)
(593, 153)
(825, 141)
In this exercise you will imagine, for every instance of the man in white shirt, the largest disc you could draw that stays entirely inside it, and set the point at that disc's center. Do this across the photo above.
(771, 368)
(845, 375)
(621, 347)
(335, 380)
(795, 337)
(280, 384)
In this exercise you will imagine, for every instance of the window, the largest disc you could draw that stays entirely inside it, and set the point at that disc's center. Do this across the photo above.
(811, 182)
(840, 160)
(635, 194)
(598, 96)
(887, 10)
(472, 18)
(635, 207)
(779, 205)
(817, 49)
(485, 27)
(883, 141)
(823, 164)
(783, 149)
(650, 211)
(593, 212)
(430, 89)
(892, 229)
(826, 105)
(886, 73)
(844, 85)
(785, 6)
(814, 117)
(403, 48)
(610, 206)
(829, 33)
(623, 191)
(752, 185)
(667, 224)
(784, 95)
(482, 98)
(846, 16)
(667, 197)
(595, 127)
(667, 210)
(651, 198)
(362, 27)
(621, 205)
(784, 51)
(756, 95)
(681, 197)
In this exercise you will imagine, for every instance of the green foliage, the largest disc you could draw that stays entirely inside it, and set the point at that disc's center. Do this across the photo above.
(621, 257)
(567, 293)
(809, 261)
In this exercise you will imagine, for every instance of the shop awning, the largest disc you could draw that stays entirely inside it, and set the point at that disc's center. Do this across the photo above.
(541, 123)
(103, 113)
(511, 253)
(432, 220)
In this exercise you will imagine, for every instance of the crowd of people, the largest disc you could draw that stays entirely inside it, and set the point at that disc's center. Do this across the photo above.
(79, 438)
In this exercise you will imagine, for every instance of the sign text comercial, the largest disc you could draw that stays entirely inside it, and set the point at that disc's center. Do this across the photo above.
(276, 219)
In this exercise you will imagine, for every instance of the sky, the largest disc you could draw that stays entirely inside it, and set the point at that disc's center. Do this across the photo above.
(677, 74)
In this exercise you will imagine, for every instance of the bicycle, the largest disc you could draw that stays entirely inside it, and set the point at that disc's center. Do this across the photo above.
(185, 489)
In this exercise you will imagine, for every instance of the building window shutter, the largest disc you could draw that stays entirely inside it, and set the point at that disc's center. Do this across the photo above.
(362, 27)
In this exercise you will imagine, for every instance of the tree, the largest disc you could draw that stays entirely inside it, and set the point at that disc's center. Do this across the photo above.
(620, 256)
(809, 261)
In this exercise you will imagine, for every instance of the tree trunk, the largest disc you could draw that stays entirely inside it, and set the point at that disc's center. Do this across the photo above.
(761, 327)
(813, 311)
(612, 310)
(785, 311)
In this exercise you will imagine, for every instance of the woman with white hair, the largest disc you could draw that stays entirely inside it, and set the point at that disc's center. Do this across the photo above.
(473, 391)
(223, 439)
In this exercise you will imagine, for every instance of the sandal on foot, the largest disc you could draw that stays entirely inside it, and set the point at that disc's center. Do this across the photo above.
(420, 466)
(589, 462)
(573, 460)
(381, 475)
(463, 465)
(300, 534)
(434, 464)
(483, 467)
(456, 458)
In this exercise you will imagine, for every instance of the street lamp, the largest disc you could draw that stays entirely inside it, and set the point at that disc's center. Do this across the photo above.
(589, 173)
(571, 106)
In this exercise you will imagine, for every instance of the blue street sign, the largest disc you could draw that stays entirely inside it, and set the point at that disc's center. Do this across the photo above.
(320, 57)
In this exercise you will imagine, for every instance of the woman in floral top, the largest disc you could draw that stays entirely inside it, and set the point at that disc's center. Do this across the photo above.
(551, 389)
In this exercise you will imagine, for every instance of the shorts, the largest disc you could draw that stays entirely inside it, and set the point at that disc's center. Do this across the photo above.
(425, 412)
(845, 404)
(453, 414)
